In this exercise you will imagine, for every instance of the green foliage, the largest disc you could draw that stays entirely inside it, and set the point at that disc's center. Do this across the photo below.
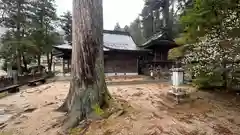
(176, 53)
(97, 110)
(15, 15)
(136, 33)
(182, 40)
(208, 16)
(207, 80)
(75, 131)
(44, 14)
(31, 31)
(211, 30)
(66, 25)
(156, 16)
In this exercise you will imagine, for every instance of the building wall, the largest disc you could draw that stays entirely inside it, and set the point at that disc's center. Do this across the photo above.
(120, 64)
(156, 60)
(160, 54)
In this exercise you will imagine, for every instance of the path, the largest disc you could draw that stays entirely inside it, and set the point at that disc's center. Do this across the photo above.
(148, 114)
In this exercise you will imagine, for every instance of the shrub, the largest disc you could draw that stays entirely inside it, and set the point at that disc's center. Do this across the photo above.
(209, 80)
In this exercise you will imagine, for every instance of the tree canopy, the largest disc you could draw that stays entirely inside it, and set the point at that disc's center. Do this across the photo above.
(66, 25)
(30, 27)
(211, 30)
(117, 27)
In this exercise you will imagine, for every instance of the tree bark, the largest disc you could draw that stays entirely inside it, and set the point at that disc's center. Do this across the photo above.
(18, 38)
(49, 61)
(24, 63)
(39, 62)
(88, 87)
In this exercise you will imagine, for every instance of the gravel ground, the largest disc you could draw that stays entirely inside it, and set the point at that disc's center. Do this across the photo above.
(32, 112)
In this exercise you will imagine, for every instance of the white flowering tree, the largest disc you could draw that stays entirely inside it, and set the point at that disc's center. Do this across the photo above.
(211, 59)
(214, 56)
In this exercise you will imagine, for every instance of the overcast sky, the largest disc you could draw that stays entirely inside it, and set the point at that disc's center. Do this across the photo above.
(122, 11)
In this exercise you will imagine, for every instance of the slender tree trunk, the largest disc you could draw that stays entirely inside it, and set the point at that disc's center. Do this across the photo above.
(49, 61)
(224, 75)
(19, 61)
(88, 87)
(18, 38)
(24, 62)
(39, 62)
(166, 17)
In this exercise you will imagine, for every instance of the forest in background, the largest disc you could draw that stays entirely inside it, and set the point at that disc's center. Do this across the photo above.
(32, 29)
(158, 17)
(207, 32)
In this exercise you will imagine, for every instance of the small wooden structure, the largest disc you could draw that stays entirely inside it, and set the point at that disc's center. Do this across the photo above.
(157, 58)
(64, 52)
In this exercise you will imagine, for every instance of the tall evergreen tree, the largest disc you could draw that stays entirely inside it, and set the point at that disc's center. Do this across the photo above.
(88, 88)
(15, 16)
(126, 28)
(44, 13)
(156, 17)
(212, 26)
(136, 32)
(66, 25)
(117, 27)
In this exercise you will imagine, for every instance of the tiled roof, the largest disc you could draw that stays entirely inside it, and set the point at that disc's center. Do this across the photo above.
(69, 47)
(113, 40)
(119, 41)
(154, 37)
(159, 39)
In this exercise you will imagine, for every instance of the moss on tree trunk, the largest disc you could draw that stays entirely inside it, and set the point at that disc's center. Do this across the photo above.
(88, 87)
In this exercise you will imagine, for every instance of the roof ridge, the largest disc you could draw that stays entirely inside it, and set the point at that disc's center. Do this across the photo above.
(116, 32)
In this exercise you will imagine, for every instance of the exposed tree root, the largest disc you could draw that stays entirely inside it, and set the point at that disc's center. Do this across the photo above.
(81, 123)
(65, 106)
(62, 108)
(80, 104)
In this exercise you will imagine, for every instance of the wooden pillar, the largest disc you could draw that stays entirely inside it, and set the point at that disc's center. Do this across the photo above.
(15, 77)
(63, 68)
(68, 66)
(138, 65)
(54, 64)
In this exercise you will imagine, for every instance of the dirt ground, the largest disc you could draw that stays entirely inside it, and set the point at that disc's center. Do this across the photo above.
(32, 112)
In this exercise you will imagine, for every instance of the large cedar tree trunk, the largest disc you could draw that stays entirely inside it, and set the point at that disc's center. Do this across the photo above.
(88, 87)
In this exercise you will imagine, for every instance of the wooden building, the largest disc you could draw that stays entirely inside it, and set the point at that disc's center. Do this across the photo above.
(123, 57)
(120, 53)
(159, 46)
